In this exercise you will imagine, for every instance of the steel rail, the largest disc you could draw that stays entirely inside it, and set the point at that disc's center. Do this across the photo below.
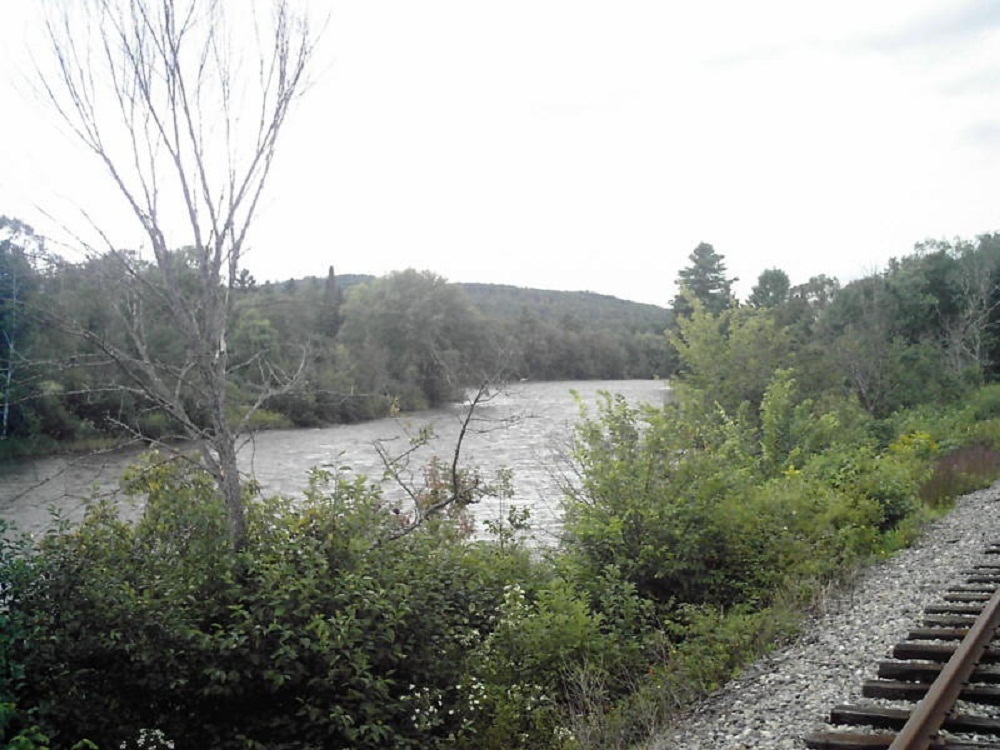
(925, 722)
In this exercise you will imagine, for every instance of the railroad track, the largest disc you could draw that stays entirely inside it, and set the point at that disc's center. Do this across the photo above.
(949, 667)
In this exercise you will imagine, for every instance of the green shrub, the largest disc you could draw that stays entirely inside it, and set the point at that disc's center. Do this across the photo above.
(688, 546)
(517, 669)
(296, 406)
(321, 632)
(650, 508)
(27, 738)
(984, 402)
(690, 524)
(265, 419)
(891, 480)
(17, 731)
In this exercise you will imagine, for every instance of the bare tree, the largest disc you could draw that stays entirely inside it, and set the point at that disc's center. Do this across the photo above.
(185, 122)
(966, 333)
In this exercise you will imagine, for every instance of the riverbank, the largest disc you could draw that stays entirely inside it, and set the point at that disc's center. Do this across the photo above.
(13, 449)
(39, 446)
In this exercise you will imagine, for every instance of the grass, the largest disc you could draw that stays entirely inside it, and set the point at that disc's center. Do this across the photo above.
(971, 467)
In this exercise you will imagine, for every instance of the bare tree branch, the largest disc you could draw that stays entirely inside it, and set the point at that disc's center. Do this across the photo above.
(456, 487)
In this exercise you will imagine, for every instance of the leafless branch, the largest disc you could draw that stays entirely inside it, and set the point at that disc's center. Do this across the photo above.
(460, 488)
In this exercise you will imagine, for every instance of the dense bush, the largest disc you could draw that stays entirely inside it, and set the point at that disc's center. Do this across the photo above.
(690, 525)
(323, 631)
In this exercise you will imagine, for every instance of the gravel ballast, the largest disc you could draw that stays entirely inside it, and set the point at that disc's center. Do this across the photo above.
(790, 692)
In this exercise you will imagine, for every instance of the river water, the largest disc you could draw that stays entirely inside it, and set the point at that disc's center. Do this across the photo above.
(527, 428)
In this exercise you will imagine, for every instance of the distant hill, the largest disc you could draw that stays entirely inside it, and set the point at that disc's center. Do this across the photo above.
(505, 302)
(347, 280)
(553, 335)
(595, 310)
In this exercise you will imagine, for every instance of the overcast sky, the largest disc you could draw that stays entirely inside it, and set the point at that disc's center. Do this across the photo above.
(569, 144)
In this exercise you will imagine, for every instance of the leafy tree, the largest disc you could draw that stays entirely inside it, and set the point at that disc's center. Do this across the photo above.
(413, 336)
(728, 358)
(157, 94)
(771, 289)
(818, 292)
(705, 280)
(965, 289)
(882, 335)
(245, 281)
(806, 302)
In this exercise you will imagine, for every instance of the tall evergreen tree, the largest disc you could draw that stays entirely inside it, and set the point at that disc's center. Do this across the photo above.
(706, 280)
(329, 318)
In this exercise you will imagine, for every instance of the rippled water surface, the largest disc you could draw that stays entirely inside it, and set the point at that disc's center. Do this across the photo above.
(527, 428)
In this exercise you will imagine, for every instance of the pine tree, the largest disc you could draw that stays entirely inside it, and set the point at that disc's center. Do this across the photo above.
(705, 279)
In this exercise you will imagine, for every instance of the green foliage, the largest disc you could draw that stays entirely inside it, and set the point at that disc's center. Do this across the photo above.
(532, 641)
(891, 480)
(704, 282)
(266, 419)
(728, 358)
(689, 546)
(406, 341)
(724, 528)
(778, 439)
(810, 431)
(30, 738)
(322, 632)
(416, 337)
(771, 289)
(985, 402)
(501, 302)
(575, 335)
(687, 516)
(732, 514)
(15, 570)
(518, 667)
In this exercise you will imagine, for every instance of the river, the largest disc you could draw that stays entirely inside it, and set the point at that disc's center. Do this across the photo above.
(527, 428)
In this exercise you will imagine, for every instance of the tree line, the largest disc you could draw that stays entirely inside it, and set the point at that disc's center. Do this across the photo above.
(342, 351)
(366, 347)
(920, 330)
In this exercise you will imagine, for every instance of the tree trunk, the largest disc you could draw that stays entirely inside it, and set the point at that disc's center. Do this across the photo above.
(8, 336)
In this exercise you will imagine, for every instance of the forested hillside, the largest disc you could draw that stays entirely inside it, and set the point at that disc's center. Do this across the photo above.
(577, 335)
(343, 348)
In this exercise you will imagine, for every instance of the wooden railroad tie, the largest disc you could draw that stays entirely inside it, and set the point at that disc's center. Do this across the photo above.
(949, 658)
